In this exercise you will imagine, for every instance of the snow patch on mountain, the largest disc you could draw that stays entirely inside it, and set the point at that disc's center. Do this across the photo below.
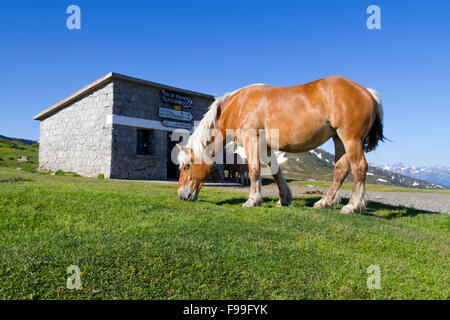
(317, 154)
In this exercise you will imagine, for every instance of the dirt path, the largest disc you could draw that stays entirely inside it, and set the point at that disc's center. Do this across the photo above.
(434, 202)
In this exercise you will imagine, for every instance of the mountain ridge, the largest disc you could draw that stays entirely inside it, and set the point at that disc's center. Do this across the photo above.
(437, 174)
(24, 141)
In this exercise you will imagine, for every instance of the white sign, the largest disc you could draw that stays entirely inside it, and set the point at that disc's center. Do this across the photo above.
(176, 124)
(175, 114)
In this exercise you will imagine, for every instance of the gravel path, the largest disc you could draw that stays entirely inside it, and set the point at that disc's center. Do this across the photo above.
(434, 202)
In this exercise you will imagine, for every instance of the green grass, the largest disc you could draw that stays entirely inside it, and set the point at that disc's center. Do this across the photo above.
(136, 240)
(11, 150)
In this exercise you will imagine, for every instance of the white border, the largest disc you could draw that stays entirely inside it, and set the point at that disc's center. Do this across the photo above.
(138, 122)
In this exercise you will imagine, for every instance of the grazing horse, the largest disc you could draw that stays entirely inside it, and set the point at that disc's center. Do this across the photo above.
(305, 116)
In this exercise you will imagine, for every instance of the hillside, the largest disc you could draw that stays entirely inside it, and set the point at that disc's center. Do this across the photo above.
(25, 141)
(11, 150)
(319, 165)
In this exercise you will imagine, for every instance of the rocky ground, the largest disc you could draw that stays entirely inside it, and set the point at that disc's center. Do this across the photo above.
(434, 202)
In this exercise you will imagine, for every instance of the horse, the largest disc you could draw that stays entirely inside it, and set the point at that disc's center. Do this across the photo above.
(304, 116)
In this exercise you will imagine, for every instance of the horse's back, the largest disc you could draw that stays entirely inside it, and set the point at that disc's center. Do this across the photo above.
(305, 115)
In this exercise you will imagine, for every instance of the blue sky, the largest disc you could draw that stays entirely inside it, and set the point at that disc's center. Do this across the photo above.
(218, 46)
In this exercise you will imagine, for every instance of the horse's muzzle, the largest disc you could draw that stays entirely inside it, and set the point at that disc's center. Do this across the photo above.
(187, 194)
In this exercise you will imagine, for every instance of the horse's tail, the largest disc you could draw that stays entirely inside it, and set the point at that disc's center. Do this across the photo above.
(376, 132)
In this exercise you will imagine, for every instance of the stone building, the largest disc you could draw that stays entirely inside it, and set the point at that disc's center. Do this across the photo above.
(118, 126)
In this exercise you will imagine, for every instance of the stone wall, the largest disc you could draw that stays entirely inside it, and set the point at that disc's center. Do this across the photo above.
(77, 138)
(142, 101)
(127, 164)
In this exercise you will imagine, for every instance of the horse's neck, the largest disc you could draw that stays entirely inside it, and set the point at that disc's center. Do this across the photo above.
(216, 143)
(204, 141)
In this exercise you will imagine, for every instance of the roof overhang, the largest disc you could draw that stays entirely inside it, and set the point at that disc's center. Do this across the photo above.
(108, 78)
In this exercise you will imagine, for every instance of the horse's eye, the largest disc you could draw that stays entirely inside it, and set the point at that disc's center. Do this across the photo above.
(186, 167)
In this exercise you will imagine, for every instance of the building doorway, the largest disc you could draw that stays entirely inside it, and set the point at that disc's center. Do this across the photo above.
(172, 169)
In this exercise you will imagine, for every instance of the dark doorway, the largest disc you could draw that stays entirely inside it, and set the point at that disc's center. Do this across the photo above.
(172, 169)
(144, 142)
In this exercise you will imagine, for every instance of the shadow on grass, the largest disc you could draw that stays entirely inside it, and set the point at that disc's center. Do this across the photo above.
(378, 209)
(390, 212)
(375, 209)
(12, 180)
(241, 201)
(267, 181)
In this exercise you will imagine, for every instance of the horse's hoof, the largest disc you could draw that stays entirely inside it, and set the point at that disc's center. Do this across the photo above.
(251, 203)
(283, 203)
(349, 209)
(248, 204)
(352, 208)
(317, 205)
(320, 204)
(326, 204)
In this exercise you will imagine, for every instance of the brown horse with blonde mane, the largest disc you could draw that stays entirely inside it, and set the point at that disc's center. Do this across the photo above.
(305, 116)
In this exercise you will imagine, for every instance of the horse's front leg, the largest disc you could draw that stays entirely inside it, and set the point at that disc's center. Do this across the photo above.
(255, 195)
(252, 151)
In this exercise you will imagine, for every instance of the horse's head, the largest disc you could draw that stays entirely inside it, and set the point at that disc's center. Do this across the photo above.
(193, 174)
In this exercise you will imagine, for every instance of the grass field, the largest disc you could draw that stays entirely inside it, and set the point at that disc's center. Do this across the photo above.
(136, 240)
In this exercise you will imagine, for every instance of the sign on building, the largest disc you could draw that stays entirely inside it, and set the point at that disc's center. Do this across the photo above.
(176, 124)
(176, 98)
(175, 114)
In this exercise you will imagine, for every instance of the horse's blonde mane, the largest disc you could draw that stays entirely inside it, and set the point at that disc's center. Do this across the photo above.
(203, 134)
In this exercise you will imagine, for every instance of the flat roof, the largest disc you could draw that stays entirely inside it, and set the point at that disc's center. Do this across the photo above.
(108, 78)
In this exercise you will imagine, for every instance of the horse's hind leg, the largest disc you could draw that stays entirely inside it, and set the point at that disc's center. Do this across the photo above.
(283, 188)
(355, 154)
(251, 145)
(331, 197)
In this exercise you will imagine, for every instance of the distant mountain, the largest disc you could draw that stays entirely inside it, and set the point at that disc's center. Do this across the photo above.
(318, 165)
(437, 174)
(24, 141)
